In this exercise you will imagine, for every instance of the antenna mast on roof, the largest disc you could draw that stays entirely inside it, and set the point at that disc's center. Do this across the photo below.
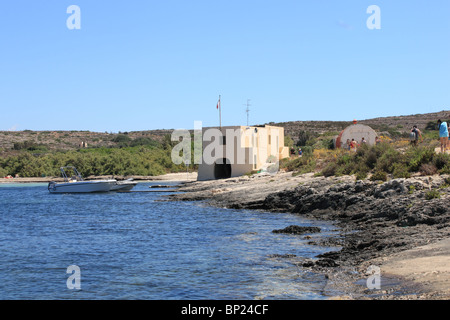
(247, 110)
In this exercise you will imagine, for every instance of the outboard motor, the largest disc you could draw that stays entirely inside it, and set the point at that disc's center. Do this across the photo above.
(51, 186)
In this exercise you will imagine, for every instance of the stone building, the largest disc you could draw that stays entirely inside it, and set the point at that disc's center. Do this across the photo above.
(358, 132)
(240, 150)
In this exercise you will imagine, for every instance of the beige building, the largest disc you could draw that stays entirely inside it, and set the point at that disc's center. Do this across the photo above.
(236, 150)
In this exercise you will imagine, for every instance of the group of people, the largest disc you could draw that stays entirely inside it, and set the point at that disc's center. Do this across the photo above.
(300, 152)
(353, 145)
(416, 134)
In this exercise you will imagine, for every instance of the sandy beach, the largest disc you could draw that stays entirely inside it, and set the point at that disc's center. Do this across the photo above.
(182, 177)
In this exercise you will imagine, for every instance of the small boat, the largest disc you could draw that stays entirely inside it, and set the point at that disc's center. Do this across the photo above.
(76, 184)
(124, 185)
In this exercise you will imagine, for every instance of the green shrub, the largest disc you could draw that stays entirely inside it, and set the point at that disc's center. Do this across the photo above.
(121, 138)
(417, 156)
(371, 158)
(330, 169)
(400, 171)
(387, 160)
(379, 175)
(3, 172)
(344, 159)
(361, 175)
(445, 169)
(433, 194)
(142, 141)
(301, 163)
(441, 160)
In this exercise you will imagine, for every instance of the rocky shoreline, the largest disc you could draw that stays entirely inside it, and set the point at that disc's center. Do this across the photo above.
(378, 221)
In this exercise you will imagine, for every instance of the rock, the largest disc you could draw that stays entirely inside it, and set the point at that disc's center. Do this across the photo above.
(284, 256)
(326, 263)
(308, 264)
(297, 230)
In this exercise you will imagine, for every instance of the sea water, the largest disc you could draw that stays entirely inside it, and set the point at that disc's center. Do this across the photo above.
(137, 245)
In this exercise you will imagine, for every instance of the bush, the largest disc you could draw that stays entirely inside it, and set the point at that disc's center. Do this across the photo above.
(361, 175)
(445, 169)
(371, 158)
(379, 175)
(330, 170)
(433, 194)
(441, 160)
(142, 141)
(428, 169)
(387, 161)
(301, 165)
(298, 163)
(306, 138)
(121, 138)
(3, 172)
(417, 156)
(307, 150)
(400, 171)
(361, 170)
(30, 146)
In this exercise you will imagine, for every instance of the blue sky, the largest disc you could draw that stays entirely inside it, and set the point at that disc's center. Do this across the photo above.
(141, 65)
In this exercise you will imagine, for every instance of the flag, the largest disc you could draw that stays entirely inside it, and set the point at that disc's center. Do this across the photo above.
(218, 104)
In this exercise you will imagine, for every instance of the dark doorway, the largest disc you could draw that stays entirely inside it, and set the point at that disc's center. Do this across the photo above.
(222, 169)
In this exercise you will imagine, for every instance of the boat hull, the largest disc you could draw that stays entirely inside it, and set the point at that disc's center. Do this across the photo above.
(82, 186)
(125, 185)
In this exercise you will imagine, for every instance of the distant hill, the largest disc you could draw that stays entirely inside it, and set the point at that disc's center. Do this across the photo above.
(399, 123)
(69, 140)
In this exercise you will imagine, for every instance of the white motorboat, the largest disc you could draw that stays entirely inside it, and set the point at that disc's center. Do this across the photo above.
(124, 185)
(76, 184)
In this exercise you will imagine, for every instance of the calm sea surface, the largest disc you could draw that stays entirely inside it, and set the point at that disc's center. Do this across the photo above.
(133, 246)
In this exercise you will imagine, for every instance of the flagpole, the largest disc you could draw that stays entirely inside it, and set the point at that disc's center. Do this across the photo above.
(220, 113)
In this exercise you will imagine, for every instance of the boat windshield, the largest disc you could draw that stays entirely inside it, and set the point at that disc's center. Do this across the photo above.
(71, 172)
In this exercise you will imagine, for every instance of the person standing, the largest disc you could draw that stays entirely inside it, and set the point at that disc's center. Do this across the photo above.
(443, 135)
(415, 135)
(363, 141)
(353, 145)
(348, 145)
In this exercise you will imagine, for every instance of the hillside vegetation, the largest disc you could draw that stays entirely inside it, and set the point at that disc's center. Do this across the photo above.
(393, 157)
(41, 153)
(124, 156)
